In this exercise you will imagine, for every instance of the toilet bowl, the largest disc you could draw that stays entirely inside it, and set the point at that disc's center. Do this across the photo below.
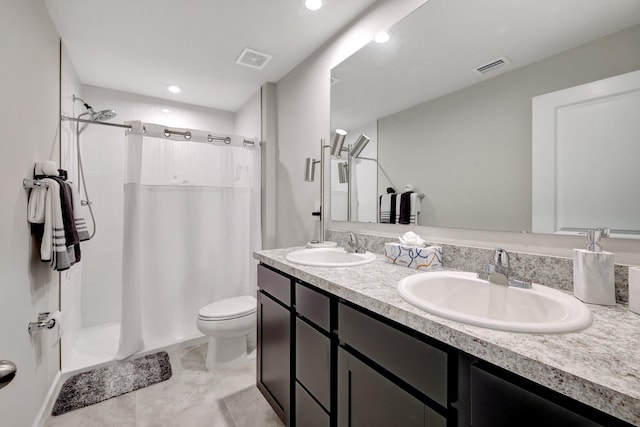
(227, 323)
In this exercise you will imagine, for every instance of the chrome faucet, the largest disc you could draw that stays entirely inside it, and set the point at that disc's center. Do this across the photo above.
(500, 272)
(353, 244)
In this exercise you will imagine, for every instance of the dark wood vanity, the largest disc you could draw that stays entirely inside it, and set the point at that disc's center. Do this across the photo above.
(326, 362)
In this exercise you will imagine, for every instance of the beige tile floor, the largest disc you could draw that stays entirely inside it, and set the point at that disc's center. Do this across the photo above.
(192, 397)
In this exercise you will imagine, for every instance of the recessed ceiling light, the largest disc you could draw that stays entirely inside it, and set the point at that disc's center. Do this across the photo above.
(313, 4)
(382, 37)
(174, 88)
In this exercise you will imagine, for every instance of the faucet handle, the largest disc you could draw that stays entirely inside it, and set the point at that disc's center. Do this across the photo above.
(501, 260)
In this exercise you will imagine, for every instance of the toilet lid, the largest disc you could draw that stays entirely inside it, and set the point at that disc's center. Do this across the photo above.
(229, 308)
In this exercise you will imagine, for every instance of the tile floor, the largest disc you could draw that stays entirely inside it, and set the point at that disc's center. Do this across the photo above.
(192, 397)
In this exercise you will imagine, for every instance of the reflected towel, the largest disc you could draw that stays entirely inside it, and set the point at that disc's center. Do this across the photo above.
(409, 208)
(388, 204)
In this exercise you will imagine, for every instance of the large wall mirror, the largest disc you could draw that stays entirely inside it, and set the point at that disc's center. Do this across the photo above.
(446, 107)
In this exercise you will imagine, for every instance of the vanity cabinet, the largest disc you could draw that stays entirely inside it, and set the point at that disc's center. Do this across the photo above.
(324, 362)
(274, 340)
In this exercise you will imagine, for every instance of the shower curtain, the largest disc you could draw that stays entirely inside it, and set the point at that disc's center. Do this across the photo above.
(191, 223)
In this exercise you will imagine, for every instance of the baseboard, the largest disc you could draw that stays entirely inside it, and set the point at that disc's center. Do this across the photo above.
(49, 401)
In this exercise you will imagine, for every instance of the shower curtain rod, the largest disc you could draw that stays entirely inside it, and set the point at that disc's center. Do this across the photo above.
(168, 132)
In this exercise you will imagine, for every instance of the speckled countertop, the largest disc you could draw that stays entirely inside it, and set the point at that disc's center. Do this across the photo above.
(599, 366)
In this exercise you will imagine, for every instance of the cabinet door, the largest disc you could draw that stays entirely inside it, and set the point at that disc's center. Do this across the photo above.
(496, 402)
(274, 353)
(367, 399)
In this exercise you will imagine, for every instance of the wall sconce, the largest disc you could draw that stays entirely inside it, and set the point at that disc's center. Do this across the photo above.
(361, 142)
(343, 172)
(310, 169)
(338, 141)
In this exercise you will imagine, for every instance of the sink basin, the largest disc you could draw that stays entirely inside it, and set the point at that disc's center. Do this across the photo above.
(329, 257)
(461, 296)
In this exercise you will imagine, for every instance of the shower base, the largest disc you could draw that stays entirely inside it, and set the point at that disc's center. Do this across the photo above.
(97, 346)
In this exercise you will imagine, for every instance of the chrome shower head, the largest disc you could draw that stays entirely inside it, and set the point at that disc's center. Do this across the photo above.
(104, 115)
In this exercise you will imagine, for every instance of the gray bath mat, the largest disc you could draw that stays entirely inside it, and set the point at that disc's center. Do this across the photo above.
(101, 384)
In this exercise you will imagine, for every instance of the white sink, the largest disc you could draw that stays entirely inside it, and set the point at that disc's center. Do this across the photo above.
(329, 257)
(461, 296)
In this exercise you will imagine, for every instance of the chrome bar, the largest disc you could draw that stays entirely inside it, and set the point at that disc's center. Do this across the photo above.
(170, 132)
(117, 125)
(31, 183)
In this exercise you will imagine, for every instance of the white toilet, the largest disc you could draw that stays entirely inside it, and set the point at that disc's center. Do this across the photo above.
(227, 323)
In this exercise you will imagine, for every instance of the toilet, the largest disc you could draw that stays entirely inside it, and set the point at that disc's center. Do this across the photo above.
(227, 323)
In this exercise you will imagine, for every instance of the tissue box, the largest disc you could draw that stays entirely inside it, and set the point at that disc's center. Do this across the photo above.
(413, 257)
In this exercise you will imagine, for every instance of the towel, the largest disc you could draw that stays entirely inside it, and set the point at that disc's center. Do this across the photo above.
(81, 224)
(70, 233)
(409, 208)
(53, 248)
(36, 204)
(45, 168)
(388, 204)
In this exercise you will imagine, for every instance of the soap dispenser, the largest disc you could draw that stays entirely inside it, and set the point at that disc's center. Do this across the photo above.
(593, 278)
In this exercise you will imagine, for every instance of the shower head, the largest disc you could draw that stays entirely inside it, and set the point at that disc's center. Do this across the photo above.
(103, 115)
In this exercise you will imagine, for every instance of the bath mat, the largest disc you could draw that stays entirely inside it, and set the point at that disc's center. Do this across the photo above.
(101, 384)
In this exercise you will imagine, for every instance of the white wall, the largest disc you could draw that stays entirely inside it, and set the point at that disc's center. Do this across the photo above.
(29, 109)
(103, 158)
(303, 118)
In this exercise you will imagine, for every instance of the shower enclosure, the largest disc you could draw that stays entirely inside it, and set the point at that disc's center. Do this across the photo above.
(178, 216)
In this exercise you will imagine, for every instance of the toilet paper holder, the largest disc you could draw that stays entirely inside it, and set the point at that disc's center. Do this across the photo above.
(45, 320)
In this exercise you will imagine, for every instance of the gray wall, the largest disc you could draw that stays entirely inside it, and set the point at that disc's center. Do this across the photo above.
(470, 151)
(29, 116)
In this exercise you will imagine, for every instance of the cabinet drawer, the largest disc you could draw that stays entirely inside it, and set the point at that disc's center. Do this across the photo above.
(313, 306)
(313, 362)
(276, 285)
(308, 412)
(413, 361)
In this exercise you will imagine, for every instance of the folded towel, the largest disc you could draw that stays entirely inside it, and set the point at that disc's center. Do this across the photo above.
(36, 205)
(388, 205)
(45, 168)
(409, 208)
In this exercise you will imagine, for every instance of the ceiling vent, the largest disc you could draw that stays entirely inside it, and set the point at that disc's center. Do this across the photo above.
(492, 65)
(253, 58)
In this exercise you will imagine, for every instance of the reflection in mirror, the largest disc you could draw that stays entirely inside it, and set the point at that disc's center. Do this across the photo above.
(460, 130)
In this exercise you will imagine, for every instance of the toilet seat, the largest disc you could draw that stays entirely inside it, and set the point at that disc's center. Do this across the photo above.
(230, 308)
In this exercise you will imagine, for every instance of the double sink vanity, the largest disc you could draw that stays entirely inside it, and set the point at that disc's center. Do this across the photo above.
(347, 339)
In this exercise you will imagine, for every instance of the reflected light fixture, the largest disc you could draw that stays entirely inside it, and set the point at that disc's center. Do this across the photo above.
(174, 89)
(313, 4)
(343, 172)
(361, 142)
(382, 37)
(338, 141)
(309, 169)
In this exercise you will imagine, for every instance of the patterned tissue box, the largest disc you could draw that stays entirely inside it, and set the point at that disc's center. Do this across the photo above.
(413, 257)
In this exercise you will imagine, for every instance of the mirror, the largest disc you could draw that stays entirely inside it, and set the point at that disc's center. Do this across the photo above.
(447, 103)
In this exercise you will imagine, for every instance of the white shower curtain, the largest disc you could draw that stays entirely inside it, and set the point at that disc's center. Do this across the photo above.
(191, 223)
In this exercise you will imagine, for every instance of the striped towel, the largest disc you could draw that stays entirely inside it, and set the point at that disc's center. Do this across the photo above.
(387, 210)
(409, 208)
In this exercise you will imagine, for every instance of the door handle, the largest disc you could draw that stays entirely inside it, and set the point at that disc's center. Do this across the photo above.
(8, 371)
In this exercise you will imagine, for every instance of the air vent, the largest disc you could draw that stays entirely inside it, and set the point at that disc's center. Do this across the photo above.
(492, 65)
(253, 58)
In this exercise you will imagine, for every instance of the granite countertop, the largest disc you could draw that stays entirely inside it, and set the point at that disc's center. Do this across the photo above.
(599, 366)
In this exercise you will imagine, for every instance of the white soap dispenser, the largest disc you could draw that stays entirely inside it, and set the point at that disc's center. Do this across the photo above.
(593, 278)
